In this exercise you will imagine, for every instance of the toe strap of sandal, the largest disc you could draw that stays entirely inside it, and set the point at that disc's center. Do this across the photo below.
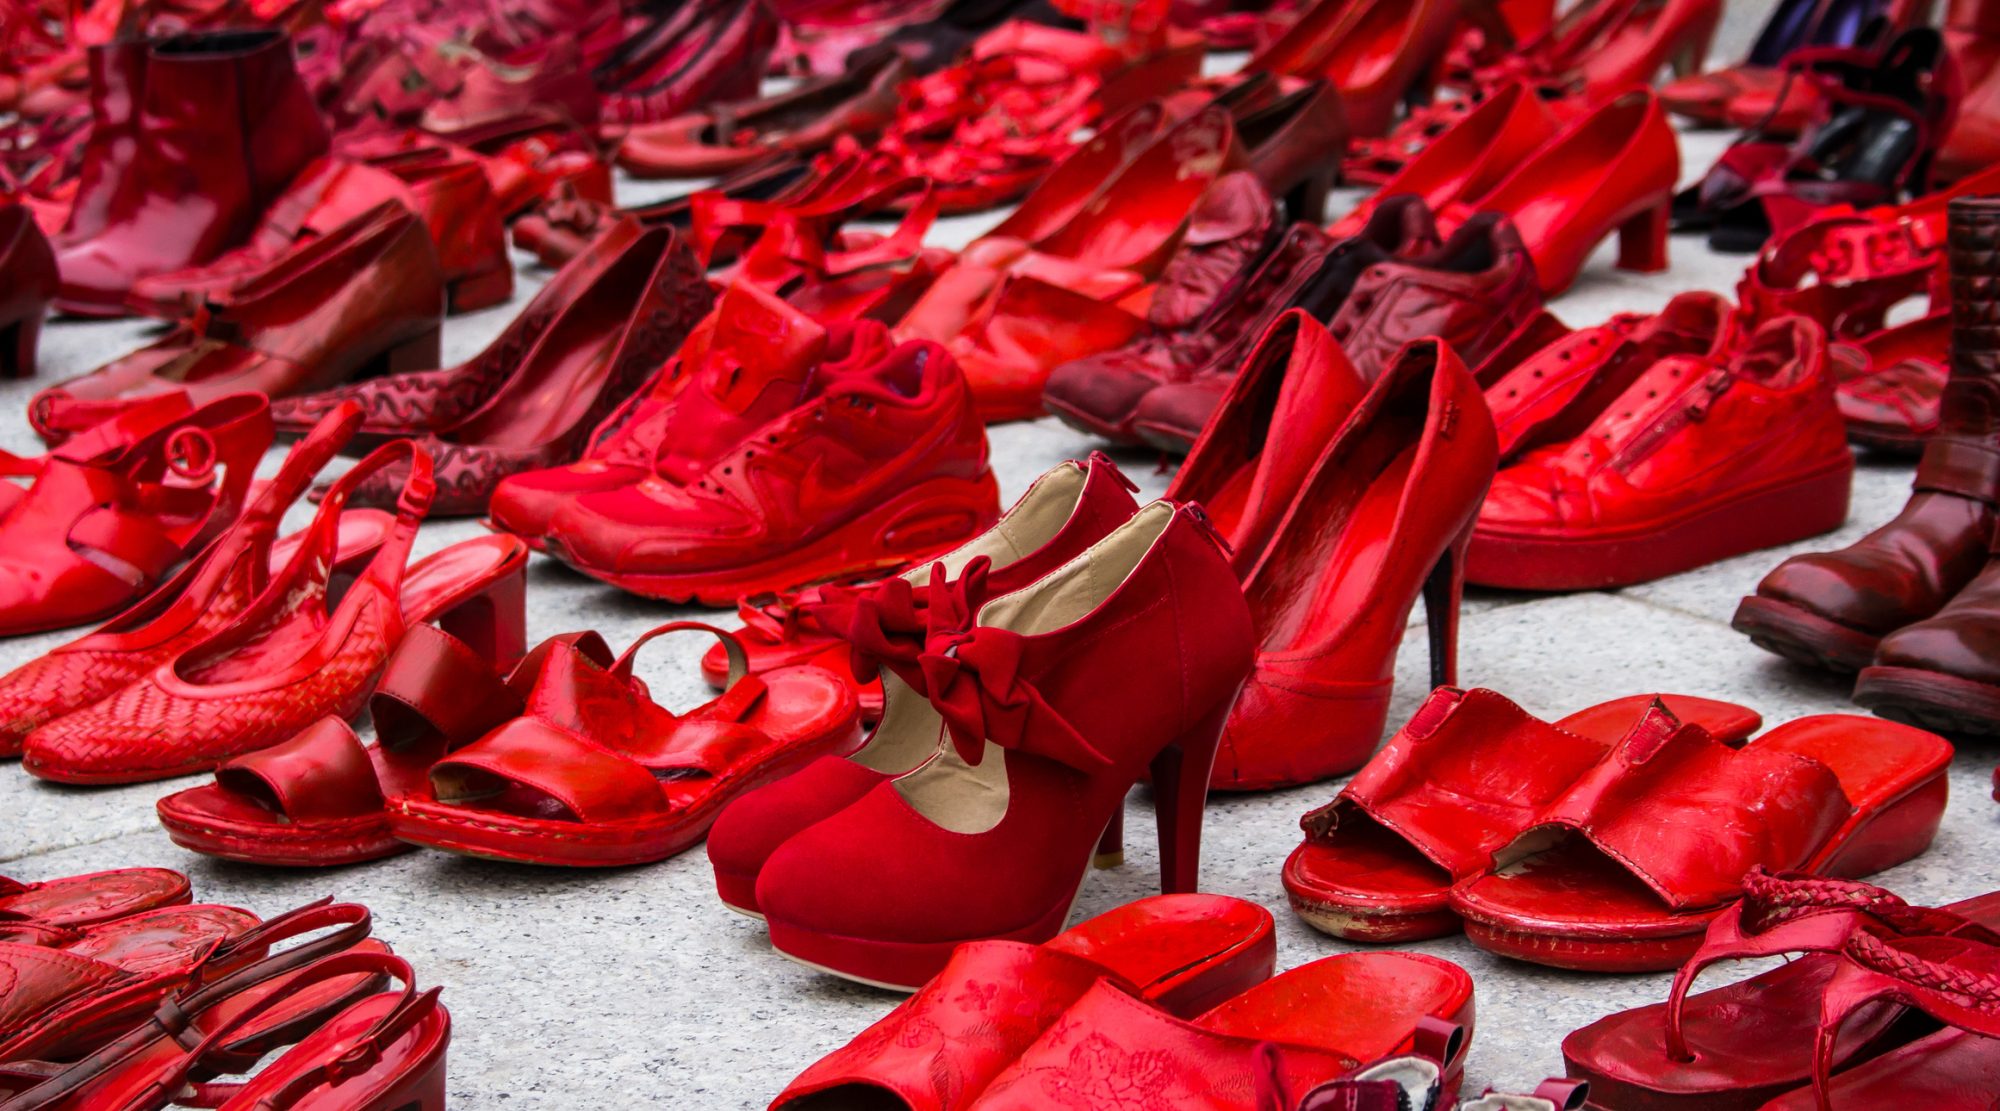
(437, 692)
(1953, 980)
(590, 782)
(322, 774)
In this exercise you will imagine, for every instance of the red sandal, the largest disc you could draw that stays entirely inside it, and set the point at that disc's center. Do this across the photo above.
(1737, 1047)
(207, 594)
(1452, 786)
(1594, 885)
(293, 656)
(76, 902)
(1181, 953)
(595, 774)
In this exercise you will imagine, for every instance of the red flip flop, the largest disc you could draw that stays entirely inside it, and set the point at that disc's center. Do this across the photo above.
(1625, 871)
(1467, 775)
(1182, 953)
(1738, 1047)
(73, 902)
(1316, 1023)
(321, 798)
(59, 993)
(595, 774)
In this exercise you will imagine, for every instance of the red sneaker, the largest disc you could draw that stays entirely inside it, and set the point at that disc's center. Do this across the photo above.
(870, 463)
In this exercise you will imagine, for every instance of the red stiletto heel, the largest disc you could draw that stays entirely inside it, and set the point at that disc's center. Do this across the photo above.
(1180, 795)
(1444, 590)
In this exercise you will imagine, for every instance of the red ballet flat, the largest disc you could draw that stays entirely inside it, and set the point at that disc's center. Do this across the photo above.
(198, 602)
(1378, 863)
(1061, 513)
(1592, 886)
(321, 798)
(1739, 1046)
(78, 902)
(1184, 954)
(294, 656)
(595, 774)
(69, 990)
(114, 511)
(1291, 1033)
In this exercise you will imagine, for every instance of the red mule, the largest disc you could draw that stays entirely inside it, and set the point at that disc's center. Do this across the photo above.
(201, 600)
(1738, 1047)
(1291, 1033)
(1403, 476)
(1450, 788)
(1184, 954)
(992, 836)
(595, 774)
(1591, 885)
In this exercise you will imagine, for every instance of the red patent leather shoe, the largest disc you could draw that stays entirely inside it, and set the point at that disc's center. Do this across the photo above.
(1184, 954)
(1592, 886)
(218, 125)
(716, 50)
(1465, 161)
(723, 138)
(1379, 54)
(1330, 611)
(367, 299)
(28, 274)
(448, 191)
(1613, 169)
(1269, 1040)
(860, 631)
(1037, 767)
(597, 352)
(1378, 863)
(1740, 1046)
(1626, 501)
(79, 902)
(1607, 46)
(595, 774)
(202, 599)
(1474, 291)
(877, 462)
(294, 656)
(113, 512)
(1892, 384)
(1062, 513)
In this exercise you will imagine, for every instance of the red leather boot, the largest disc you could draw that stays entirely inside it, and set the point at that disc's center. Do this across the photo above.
(1404, 476)
(27, 282)
(222, 125)
(1832, 609)
(992, 836)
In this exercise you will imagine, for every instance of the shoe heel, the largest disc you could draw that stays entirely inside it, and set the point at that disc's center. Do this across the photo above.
(425, 1093)
(421, 352)
(1180, 776)
(1111, 846)
(493, 622)
(1900, 831)
(480, 291)
(18, 344)
(1306, 203)
(1642, 240)
(1423, 87)
(1444, 590)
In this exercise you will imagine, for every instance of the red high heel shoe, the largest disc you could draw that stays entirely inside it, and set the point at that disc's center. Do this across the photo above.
(199, 601)
(863, 631)
(1467, 160)
(723, 138)
(293, 657)
(1184, 954)
(1613, 169)
(1062, 513)
(1607, 46)
(113, 512)
(1378, 53)
(1330, 611)
(595, 354)
(368, 298)
(28, 274)
(1754, 92)
(992, 836)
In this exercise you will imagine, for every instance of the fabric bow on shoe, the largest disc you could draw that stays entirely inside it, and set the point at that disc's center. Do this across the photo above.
(976, 686)
(887, 624)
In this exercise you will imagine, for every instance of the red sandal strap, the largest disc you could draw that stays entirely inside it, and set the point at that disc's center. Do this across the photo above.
(1953, 980)
(437, 693)
(322, 774)
(591, 782)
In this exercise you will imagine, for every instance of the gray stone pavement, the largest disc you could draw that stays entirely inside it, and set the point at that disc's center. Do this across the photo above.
(633, 988)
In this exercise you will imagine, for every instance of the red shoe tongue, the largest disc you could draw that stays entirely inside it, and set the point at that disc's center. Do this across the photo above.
(759, 365)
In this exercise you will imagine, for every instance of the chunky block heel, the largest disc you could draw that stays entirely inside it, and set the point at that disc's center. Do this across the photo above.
(18, 345)
(1642, 239)
(494, 621)
(480, 291)
(420, 352)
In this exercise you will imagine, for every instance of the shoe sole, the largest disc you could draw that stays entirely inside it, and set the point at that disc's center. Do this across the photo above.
(927, 520)
(1930, 700)
(1781, 513)
(1372, 927)
(1802, 636)
(286, 846)
(1121, 434)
